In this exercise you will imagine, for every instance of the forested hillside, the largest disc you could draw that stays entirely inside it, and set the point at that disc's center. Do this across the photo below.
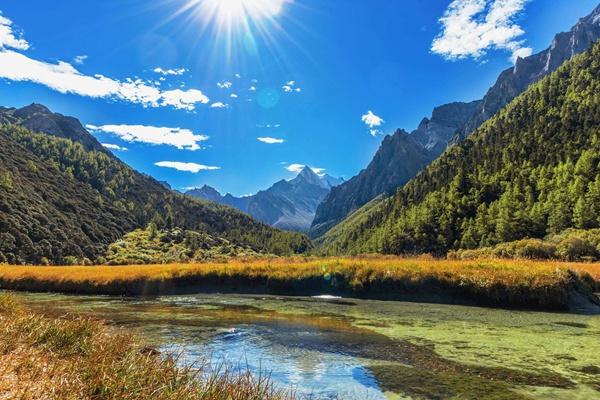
(530, 171)
(403, 155)
(61, 203)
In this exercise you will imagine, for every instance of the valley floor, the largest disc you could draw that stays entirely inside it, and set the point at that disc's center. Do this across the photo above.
(523, 284)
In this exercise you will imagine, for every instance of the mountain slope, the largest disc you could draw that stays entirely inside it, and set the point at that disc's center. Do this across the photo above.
(38, 118)
(61, 201)
(288, 205)
(526, 71)
(532, 170)
(451, 123)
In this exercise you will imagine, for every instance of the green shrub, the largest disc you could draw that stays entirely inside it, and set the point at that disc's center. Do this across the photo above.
(70, 260)
(576, 249)
(535, 249)
(6, 180)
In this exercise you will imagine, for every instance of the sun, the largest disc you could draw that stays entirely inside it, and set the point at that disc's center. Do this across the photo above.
(238, 10)
(238, 29)
(229, 14)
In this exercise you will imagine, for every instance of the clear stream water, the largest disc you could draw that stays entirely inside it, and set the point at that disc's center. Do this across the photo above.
(355, 349)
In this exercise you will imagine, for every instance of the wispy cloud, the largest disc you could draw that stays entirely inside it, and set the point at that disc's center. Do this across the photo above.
(181, 138)
(296, 168)
(8, 38)
(373, 122)
(114, 147)
(65, 78)
(186, 167)
(290, 87)
(172, 71)
(80, 59)
(472, 27)
(224, 85)
(270, 140)
(234, 96)
(219, 104)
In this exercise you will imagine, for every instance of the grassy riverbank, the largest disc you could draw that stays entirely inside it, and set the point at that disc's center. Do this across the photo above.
(76, 358)
(501, 283)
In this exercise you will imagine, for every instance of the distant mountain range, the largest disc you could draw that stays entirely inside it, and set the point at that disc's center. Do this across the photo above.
(402, 155)
(65, 199)
(288, 205)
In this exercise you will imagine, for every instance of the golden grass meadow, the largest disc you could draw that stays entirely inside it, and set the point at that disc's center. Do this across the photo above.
(495, 282)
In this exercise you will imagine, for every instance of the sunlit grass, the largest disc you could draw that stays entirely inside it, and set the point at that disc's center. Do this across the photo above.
(493, 281)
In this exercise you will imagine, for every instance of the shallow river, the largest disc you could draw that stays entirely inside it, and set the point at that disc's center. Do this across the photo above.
(367, 349)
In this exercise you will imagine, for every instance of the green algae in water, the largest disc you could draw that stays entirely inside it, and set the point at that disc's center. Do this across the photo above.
(415, 350)
(421, 384)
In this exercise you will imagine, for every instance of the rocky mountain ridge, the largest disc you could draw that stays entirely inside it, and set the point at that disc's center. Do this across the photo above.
(400, 158)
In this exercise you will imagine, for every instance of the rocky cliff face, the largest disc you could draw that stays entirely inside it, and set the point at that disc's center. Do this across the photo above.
(288, 205)
(402, 156)
(526, 71)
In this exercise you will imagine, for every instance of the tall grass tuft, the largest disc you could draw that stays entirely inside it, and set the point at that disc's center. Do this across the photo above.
(82, 359)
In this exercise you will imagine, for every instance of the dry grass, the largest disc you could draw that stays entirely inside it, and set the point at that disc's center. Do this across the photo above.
(521, 283)
(77, 358)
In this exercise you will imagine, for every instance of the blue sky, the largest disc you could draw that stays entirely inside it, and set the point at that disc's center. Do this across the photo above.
(306, 73)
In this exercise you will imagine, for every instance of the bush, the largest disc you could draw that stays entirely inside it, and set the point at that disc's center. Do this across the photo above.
(70, 260)
(576, 249)
(535, 249)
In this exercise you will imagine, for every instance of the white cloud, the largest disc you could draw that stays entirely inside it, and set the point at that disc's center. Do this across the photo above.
(186, 167)
(372, 120)
(521, 53)
(65, 78)
(172, 71)
(270, 140)
(295, 168)
(114, 147)
(290, 87)
(80, 59)
(234, 96)
(238, 76)
(218, 104)
(183, 99)
(8, 38)
(224, 85)
(183, 139)
(472, 27)
(252, 88)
